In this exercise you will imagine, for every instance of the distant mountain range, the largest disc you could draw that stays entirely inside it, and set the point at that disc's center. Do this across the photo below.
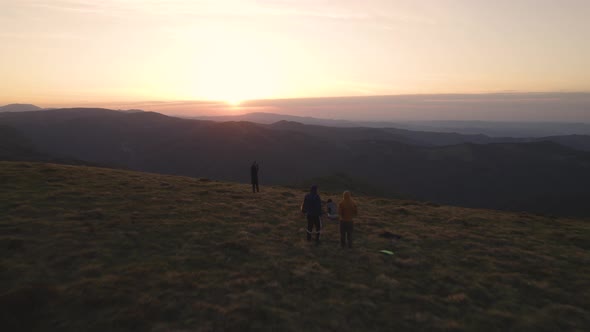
(19, 108)
(394, 130)
(488, 128)
(495, 129)
(542, 175)
(501, 129)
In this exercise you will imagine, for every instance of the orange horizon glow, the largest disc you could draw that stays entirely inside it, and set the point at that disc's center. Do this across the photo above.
(507, 106)
(75, 52)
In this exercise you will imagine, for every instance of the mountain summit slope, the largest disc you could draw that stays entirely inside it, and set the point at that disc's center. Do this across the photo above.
(91, 249)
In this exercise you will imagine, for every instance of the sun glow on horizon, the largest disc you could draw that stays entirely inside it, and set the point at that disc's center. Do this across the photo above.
(234, 102)
(231, 51)
(235, 67)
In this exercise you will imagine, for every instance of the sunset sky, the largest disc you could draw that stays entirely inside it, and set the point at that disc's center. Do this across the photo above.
(69, 52)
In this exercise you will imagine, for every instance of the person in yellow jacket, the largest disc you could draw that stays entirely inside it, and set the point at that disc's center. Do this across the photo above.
(346, 210)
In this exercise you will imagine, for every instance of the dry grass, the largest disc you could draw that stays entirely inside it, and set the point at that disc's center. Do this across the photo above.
(89, 249)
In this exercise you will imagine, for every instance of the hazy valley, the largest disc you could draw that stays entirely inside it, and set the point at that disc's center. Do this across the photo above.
(546, 175)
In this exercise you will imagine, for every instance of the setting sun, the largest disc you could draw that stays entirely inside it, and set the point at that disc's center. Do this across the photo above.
(244, 50)
(233, 102)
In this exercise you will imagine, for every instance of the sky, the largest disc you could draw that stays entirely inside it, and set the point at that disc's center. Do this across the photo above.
(85, 52)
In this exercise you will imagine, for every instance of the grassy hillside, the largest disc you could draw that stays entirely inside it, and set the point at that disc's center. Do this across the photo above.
(90, 249)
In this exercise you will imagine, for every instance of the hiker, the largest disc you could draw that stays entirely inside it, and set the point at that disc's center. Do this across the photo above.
(254, 177)
(312, 207)
(332, 210)
(347, 210)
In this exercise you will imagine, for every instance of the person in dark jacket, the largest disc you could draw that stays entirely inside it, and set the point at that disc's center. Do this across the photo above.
(312, 207)
(254, 177)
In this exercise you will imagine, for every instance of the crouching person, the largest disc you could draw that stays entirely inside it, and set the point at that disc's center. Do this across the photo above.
(332, 210)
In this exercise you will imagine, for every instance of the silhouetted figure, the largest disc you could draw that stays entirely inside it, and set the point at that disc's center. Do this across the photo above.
(312, 207)
(254, 177)
(347, 210)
